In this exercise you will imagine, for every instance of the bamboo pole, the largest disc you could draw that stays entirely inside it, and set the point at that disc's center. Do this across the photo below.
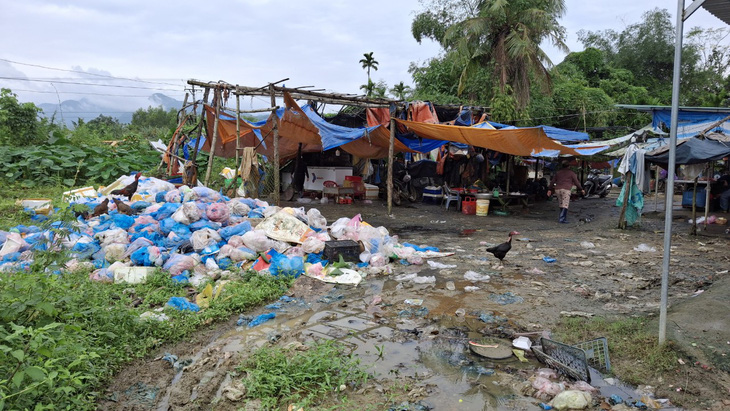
(211, 156)
(194, 156)
(509, 160)
(389, 183)
(238, 131)
(176, 136)
(277, 182)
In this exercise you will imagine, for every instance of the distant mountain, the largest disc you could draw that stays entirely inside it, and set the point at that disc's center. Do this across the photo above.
(70, 111)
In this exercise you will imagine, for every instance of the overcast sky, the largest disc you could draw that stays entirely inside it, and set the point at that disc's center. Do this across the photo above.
(246, 42)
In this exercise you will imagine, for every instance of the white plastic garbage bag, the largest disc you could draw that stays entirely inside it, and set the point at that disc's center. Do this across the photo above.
(203, 238)
(187, 214)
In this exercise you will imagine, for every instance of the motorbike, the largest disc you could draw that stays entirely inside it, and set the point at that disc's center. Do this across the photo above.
(598, 184)
(409, 181)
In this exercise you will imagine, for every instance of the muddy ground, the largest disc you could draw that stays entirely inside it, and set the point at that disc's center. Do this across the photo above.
(418, 353)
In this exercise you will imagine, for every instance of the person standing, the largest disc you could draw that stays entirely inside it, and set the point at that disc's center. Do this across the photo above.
(563, 180)
(724, 183)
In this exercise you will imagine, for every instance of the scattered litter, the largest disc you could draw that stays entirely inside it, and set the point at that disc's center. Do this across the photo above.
(261, 319)
(535, 270)
(548, 259)
(506, 298)
(411, 312)
(643, 248)
(182, 304)
(471, 288)
(587, 244)
(414, 301)
(572, 399)
(474, 276)
(149, 315)
(522, 343)
(520, 355)
(490, 318)
(424, 280)
(434, 264)
(576, 314)
(460, 312)
(450, 286)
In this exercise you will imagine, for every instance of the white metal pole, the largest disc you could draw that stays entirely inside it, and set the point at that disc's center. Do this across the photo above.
(670, 172)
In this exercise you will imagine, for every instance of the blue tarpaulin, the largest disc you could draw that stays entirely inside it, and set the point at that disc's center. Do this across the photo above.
(691, 123)
(554, 133)
(334, 135)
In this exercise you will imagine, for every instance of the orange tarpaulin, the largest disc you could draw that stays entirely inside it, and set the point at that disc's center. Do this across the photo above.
(520, 142)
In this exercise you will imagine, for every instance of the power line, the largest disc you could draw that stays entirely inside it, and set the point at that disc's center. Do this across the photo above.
(85, 73)
(78, 92)
(85, 84)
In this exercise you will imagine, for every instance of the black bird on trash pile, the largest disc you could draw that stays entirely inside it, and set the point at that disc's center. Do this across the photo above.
(500, 251)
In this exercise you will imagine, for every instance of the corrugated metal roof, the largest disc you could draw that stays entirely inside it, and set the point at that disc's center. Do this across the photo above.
(719, 9)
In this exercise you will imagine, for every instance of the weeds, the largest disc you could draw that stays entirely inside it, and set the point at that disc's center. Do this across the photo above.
(278, 377)
(63, 336)
(632, 343)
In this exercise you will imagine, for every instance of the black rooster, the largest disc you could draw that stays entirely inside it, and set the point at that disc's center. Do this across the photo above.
(500, 251)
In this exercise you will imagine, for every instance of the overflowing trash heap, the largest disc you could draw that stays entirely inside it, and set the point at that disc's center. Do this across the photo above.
(196, 234)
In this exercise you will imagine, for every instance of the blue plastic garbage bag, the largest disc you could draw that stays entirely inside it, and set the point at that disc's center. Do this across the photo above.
(286, 266)
(166, 225)
(83, 251)
(154, 237)
(314, 258)
(256, 213)
(145, 256)
(204, 223)
(165, 211)
(238, 229)
(160, 197)
(11, 258)
(181, 278)
(182, 304)
(122, 221)
(140, 205)
(261, 319)
(251, 203)
(224, 263)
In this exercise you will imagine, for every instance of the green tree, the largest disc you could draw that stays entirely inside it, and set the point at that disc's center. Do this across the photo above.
(506, 37)
(154, 117)
(20, 124)
(400, 91)
(368, 62)
(368, 88)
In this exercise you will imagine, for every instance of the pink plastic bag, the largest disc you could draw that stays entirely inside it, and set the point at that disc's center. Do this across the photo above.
(217, 212)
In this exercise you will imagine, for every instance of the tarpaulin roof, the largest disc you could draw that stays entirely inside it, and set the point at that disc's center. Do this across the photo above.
(521, 142)
(555, 133)
(691, 123)
(299, 125)
(691, 151)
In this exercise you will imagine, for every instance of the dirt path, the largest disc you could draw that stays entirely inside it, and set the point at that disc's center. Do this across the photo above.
(596, 271)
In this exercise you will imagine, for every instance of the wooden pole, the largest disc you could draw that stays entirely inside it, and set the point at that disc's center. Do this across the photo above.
(238, 132)
(277, 182)
(627, 194)
(211, 156)
(693, 230)
(390, 165)
(707, 193)
(177, 136)
(509, 160)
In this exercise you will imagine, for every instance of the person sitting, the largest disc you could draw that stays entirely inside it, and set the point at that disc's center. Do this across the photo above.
(724, 183)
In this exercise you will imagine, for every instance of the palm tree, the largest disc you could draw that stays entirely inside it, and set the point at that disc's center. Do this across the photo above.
(368, 63)
(368, 88)
(506, 36)
(400, 91)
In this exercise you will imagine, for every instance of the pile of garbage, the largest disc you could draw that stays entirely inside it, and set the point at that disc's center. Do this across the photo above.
(196, 234)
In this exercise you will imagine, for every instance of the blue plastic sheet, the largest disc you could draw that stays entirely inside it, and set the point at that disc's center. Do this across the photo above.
(417, 248)
(11, 258)
(140, 205)
(165, 211)
(261, 319)
(204, 223)
(182, 304)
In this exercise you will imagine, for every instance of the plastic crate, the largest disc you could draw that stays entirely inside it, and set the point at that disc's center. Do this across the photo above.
(597, 353)
(348, 249)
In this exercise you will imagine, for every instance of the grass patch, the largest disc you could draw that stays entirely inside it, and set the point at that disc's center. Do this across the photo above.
(279, 377)
(63, 336)
(632, 344)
